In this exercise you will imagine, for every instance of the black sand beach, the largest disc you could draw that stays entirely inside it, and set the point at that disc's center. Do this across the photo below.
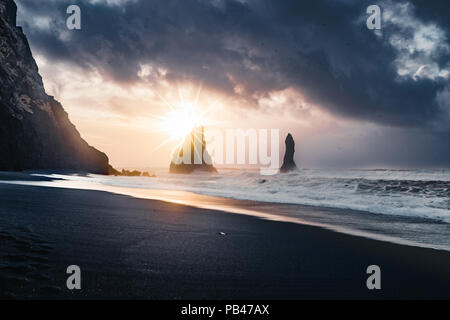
(148, 249)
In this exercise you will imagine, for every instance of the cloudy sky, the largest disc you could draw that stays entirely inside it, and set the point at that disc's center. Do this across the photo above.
(351, 96)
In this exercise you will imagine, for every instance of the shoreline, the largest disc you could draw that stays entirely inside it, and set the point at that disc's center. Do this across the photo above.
(257, 209)
(149, 249)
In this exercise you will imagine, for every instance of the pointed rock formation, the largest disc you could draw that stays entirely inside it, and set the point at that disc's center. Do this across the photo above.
(192, 155)
(35, 131)
(288, 161)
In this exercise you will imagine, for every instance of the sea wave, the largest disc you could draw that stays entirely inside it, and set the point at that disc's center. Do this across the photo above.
(410, 193)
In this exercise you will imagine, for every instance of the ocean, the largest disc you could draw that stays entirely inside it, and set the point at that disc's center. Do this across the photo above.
(403, 206)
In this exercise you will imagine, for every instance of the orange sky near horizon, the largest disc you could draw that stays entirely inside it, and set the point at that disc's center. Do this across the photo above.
(132, 123)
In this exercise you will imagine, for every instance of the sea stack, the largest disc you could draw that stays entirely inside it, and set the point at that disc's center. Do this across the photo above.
(192, 155)
(35, 131)
(288, 161)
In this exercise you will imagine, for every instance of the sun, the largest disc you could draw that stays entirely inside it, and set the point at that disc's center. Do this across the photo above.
(183, 117)
(181, 120)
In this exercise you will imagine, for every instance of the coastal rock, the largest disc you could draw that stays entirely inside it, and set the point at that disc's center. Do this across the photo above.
(127, 173)
(35, 131)
(148, 175)
(112, 171)
(288, 161)
(192, 155)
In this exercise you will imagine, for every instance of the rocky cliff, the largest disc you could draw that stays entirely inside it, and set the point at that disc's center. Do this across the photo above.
(192, 155)
(35, 131)
(288, 161)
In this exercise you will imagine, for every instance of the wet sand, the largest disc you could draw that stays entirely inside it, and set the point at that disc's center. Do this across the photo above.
(130, 248)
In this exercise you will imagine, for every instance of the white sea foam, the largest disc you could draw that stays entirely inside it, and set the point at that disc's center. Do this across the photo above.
(409, 193)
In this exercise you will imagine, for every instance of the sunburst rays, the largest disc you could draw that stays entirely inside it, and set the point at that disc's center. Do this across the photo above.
(182, 117)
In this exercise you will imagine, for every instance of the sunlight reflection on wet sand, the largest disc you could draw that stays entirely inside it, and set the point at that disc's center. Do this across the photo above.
(245, 207)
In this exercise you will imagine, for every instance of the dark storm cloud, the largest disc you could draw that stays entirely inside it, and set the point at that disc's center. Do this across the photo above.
(322, 48)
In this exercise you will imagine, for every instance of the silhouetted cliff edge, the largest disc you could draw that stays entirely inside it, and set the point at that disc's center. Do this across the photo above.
(35, 131)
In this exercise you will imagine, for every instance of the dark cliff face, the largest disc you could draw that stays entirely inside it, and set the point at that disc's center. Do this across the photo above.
(35, 131)
(288, 162)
